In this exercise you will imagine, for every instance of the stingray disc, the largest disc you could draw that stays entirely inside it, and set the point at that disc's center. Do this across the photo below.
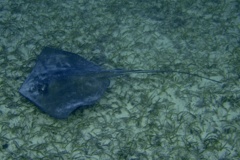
(60, 82)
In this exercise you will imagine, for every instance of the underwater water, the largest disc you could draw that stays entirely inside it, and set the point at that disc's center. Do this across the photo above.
(166, 116)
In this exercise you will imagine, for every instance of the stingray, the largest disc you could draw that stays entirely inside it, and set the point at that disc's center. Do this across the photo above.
(62, 81)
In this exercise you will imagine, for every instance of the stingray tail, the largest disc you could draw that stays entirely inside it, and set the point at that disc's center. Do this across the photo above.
(122, 72)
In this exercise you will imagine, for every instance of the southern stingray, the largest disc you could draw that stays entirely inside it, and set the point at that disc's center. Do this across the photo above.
(62, 81)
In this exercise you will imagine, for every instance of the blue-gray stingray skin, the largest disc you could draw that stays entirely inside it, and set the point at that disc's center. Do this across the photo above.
(63, 81)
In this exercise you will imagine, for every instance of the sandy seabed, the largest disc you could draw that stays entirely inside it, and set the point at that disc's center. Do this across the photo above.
(163, 116)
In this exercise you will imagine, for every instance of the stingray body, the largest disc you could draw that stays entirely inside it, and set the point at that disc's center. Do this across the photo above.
(63, 81)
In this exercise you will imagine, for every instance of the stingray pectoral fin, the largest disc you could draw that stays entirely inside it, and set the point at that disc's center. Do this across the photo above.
(59, 97)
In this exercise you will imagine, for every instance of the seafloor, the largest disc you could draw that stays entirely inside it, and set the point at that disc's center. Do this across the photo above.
(164, 116)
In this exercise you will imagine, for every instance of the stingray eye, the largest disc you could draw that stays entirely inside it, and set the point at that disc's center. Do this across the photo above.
(42, 88)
